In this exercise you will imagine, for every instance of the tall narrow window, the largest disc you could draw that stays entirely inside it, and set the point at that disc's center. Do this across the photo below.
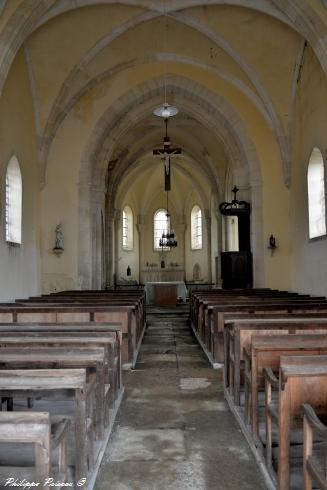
(128, 228)
(160, 225)
(14, 202)
(196, 228)
(316, 195)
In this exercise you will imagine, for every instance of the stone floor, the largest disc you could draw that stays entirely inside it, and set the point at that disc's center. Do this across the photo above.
(174, 430)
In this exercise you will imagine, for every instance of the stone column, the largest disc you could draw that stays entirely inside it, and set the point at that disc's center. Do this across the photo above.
(220, 245)
(181, 229)
(257, 235)
(109, 242)
(97, 205)
(84, 237)
(141, 230)
(117, 217)
(207, 217)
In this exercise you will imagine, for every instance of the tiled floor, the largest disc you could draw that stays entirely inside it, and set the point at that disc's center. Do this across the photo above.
(174, 430)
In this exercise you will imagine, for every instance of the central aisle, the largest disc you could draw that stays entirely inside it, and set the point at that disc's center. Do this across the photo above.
(174, 430)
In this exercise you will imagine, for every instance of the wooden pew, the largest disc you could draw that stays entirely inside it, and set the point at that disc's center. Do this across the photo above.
(111, 331)
(45, 433)
(91, 300)
(71, 339)
(265, 352)
(238, 336)
(61, 313)
(301, 380)
(35, 382)
(204, 324)
(216, 326)
(97, 297)
(314, 466)
(216, 297)
(92, 360)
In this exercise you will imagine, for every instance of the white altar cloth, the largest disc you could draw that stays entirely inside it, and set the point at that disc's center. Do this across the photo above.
(181, 290)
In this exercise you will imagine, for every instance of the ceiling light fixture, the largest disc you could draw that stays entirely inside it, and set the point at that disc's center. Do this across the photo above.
(165, 110)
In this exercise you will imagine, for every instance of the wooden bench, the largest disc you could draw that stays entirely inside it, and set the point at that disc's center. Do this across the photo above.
(201, 302)
(34, 382)
(71, 339)
(205, 303)
(46, 434)
(110, 330)
(301, 380)
(265, 352)
(238, 336)
(61, 313)
(215, 329)
(96, 297)
(314, 465)
(92, 360)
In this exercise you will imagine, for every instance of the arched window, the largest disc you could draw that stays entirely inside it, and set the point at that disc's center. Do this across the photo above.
(196, 228)
(160, 226)
(128, 228)
(316, 195)
(14, 202)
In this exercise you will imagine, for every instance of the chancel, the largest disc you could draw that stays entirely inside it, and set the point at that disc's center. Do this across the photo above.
(163, 228)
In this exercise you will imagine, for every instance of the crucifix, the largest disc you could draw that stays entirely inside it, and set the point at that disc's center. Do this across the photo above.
(166, 152)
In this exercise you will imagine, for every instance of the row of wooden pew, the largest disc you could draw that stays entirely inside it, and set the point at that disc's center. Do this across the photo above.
(273, 345)
(61, 359)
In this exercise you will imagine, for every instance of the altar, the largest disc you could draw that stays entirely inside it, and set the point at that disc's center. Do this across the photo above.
(165, 293)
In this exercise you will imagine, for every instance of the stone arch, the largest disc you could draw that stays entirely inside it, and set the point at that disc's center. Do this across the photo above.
(61, 106)
(211, 110)
(28, 17)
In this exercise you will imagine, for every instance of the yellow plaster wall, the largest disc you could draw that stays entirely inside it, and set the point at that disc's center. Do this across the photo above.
(19, 265)
(310, 123)
(60, 203)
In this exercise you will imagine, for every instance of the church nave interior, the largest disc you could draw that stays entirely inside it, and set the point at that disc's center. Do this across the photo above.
(118, 225)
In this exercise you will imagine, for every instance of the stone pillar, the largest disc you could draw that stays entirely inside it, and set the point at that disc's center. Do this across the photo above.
(219, 219)
(84, 237)
(257, 235)
(141, 231)
(117, 217)
(207, 217)
(110, 224)
(180, 232)
(97, 205)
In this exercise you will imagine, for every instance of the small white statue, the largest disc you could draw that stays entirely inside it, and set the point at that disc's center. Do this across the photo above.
(59, 243)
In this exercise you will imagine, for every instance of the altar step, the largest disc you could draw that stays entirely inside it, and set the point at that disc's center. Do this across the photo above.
(179, 314)
(183, 309)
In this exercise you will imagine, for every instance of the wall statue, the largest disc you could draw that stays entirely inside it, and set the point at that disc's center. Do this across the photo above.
(59, 240)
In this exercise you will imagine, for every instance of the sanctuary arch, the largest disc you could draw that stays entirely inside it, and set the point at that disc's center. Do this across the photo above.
(234, 147)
